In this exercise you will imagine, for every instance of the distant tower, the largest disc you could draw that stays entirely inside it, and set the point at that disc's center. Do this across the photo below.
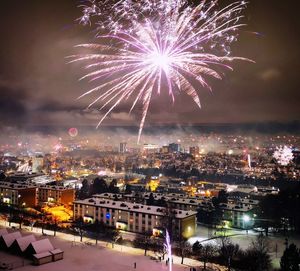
(37, 163)
(122, 148)
(174, 147)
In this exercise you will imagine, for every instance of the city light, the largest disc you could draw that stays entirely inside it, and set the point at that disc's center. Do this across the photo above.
(246, 218)
(161, 185)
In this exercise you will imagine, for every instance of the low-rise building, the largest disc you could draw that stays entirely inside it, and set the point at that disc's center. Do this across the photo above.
(134, 217)
(30, 195)
(56, 194)
(239, 215)
(18, 194)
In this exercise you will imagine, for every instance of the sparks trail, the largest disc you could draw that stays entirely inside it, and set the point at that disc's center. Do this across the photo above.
(150, 45)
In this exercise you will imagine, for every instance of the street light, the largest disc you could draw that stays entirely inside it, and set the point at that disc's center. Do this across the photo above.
(246, 219)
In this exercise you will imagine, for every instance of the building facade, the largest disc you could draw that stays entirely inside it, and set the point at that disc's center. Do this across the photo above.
(122, 147)
(18, 194)
(134, 217)
(56, 194)
(240, 215)
(30, 195)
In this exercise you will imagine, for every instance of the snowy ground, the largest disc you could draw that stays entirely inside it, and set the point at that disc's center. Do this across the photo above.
(87, 256)
(244, 239)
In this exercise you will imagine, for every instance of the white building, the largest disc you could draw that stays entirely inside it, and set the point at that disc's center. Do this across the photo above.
(122, 148)
(37, 163)
(133, 217)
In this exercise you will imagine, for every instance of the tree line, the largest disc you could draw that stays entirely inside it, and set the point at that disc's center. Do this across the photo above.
(280, 212)
(97, 186)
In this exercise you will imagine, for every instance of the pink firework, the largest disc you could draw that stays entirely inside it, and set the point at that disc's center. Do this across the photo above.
(149, 46)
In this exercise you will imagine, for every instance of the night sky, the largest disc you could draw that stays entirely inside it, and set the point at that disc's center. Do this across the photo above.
(39, 88)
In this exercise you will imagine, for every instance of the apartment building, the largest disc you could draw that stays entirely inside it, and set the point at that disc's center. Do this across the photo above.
(30, 195)
(56, 194)
(18, 194)
(239, 215)
(134, 217)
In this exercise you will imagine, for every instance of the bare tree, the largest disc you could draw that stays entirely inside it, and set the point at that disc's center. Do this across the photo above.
(97, 228)
(261, 244)
(227, 250)
(20, 220)
(79, 227)
(43, 222)
(55, 225)
(204, 252)
(113, 235)
(158, 245)
(144, 241)
(184, 248)
(257, 258)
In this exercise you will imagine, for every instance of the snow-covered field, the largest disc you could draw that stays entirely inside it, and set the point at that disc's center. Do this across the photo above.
(87, 256)
(276, 243)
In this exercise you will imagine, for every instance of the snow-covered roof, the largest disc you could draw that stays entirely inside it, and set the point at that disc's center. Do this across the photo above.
(42, 255)
(41, 246)
(108, 196)
(25, 241)
(16, 186)
(3, 231)
(249, 201)
(175, 198)
(56, 251)
(9, 238)
(54, 187)
(133, 207)
(236, 207)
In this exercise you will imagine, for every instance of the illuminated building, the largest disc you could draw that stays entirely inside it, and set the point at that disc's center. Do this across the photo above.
(234, 212)
(37, 163)
(30, 195)
(56, 194)
(133, 217)
(239, 215)
(123, 148)
(174, 147)
(152, 185)
(150, 148)
(165, 149)
(18, 194)
(23, 176)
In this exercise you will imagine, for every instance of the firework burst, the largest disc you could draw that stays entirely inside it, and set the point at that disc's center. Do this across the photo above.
(149, 46)
(284, 155)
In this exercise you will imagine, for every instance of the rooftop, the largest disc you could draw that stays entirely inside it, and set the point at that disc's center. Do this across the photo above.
(134, 207)
(16, 186)
(22, 185)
